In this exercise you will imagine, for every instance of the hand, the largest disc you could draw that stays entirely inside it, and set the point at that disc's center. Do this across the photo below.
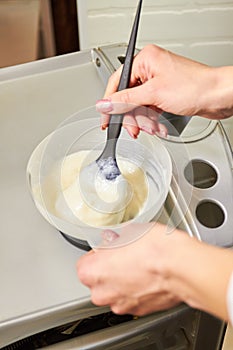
(133, 278)
(164, 81)
(158, 271)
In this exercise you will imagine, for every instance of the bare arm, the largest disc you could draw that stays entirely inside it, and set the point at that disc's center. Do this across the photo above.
(201, 276)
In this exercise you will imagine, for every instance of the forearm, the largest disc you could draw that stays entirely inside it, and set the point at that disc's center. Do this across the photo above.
(200, 276)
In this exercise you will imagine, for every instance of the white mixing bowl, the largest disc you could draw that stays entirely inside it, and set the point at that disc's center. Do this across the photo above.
(82, 132)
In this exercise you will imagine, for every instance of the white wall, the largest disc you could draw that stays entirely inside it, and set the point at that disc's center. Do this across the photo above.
(199, 29)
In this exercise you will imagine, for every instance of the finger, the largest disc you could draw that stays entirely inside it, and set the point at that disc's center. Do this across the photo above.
(86, 268)
(153, 114)
(158, 110)
(146, 120)
(113, 82)
(104, 121)
(162, 132)
(124, 305)
(130, 124)
(126, 100)
(99, 298)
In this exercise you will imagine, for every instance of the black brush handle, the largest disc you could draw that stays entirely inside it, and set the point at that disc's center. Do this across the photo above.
(115, 122)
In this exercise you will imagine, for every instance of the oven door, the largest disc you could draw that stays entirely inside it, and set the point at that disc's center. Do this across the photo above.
(177, 329)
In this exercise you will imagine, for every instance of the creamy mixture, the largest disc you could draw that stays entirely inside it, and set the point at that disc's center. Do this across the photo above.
(118, 201)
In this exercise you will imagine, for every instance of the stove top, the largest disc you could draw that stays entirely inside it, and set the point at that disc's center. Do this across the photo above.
(39, 285)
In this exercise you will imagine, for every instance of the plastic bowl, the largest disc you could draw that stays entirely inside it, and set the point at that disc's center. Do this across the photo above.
(82, 132)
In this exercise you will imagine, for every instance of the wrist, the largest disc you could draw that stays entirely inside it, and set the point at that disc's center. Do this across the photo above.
(170, 264)
(178, 253)
(181, 267)
(217, 93)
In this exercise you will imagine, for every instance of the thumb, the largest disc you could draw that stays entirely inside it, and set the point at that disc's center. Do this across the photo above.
(126, 100)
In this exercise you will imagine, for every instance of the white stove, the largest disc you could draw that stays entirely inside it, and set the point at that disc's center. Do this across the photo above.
(39, 285)
(37, 266)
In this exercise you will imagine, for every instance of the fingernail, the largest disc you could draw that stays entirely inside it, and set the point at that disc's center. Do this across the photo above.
(148, 130)
(161, 133)
(109, 235)
(104, 127)
(104, 106)
(132, 134)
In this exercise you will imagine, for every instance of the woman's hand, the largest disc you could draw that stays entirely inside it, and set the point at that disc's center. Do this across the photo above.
(158, 271)
(133, 278)
(164, 81)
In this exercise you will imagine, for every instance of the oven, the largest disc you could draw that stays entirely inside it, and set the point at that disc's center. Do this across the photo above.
(43, 304)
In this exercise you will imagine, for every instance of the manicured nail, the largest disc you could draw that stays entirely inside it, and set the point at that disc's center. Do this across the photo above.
(148, 130)
(109, 235)
(104, 106)
(104, 126)
(161, 133)
(132, 134)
